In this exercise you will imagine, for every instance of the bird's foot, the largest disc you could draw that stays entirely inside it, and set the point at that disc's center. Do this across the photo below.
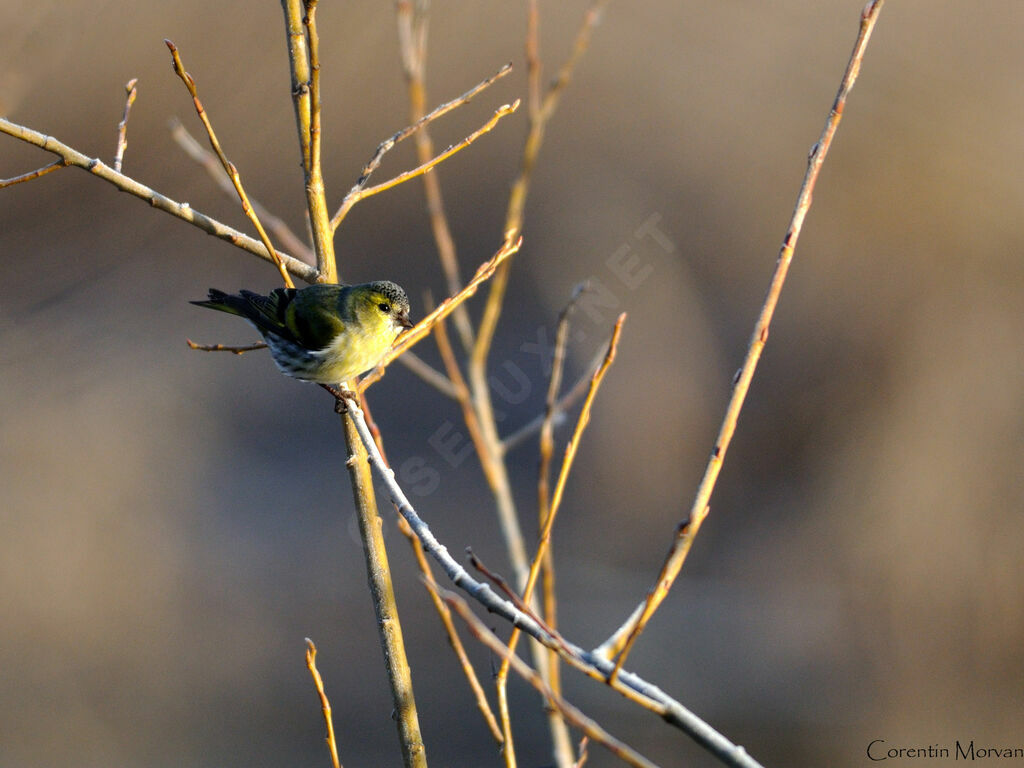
(341, 397)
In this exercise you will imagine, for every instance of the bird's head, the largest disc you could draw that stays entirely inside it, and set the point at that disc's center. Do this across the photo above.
(382, 307)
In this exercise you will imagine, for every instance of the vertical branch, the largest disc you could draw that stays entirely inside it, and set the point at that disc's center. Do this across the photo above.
(316, 196)
(298, 57)
(540, 112)
(546, 449)
(325, 704)
(122, 128)
(563, 756)
(303, 53)
(492, 309)
(623, 638)
(413, 20)
(379, 575)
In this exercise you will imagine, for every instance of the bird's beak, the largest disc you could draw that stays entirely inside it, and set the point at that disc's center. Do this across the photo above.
(404, 321)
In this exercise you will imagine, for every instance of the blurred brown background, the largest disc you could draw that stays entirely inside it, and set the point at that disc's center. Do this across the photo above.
(174, 523)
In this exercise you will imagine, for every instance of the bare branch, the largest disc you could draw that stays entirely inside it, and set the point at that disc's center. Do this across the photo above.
(56, 165)
(238, 350)
(229, 167)
(122, 128)
(355, 195)
(211, 164)
(621, 641)
(127, 184)
(325, 705)
(428, 373)
(569, 712)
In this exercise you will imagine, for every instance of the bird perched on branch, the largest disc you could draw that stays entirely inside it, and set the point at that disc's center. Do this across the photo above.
(324, 333)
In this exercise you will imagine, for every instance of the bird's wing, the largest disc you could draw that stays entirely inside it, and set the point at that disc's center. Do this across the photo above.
(314, 315)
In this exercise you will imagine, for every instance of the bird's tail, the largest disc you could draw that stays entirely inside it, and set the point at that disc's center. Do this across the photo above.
(225, 302)
(262, 311)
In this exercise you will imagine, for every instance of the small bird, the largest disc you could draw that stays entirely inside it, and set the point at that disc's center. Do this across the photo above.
(324, 333)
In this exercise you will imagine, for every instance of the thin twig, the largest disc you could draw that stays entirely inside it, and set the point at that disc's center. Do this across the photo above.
(566, 401)
(480, 385)
(325, 705)
(582, 759)
(546, 450)
(412, 19)
(361, 194)
(623, 638)
(556, 499)
(538, 119)
(127, 184)
(122, 128)
(213, 167)
(302, 36)
(506, 589)
(428, 373)
(419, 125)
(453, 636)
(313, 39)
(229, 167)
(238, 350)
(462, 396)
(56, 165)
(569, 712)
(424, 326)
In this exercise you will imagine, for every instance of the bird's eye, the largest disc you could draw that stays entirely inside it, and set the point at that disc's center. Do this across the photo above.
(384, 307)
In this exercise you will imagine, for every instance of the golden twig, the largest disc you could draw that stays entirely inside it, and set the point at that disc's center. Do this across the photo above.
(540, 114)
(428, 373)
(582, 759)
(56, 165)
(546, 449)
(302, 37)
(229, 167)
(566, 401)
(325, 705)
(361, 193)
(419, 125)
(568, 711)
(412, 21)
(127, 184)
(453, 636)
(556, 499)
(443, 612)
(462, 395)
(213, 167)
(314, 84)
(122, 128)
(480, 388)
(424, 326)
(623, 638)
(238, 350)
